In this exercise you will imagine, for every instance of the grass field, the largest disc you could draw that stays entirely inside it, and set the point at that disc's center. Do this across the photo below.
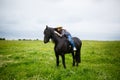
(34, 60)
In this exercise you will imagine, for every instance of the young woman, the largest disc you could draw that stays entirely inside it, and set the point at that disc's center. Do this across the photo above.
(62, 32)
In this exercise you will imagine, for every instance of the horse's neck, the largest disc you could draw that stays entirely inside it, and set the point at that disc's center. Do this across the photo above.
(56, 39)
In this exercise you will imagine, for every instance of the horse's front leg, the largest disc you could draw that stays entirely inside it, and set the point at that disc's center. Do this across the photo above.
(57, 60)
(63, 60)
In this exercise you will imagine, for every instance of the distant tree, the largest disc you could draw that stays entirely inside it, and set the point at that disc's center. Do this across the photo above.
(2, 38)
(24, 39)
(19, 39)
(37, 39)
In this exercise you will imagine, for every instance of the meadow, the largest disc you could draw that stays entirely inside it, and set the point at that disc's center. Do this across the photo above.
(34, 60)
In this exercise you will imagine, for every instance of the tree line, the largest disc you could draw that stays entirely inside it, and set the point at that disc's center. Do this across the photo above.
(20, 39)
(2, 39)
(26, 39)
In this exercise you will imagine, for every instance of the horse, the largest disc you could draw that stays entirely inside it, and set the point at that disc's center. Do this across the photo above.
(62, 46)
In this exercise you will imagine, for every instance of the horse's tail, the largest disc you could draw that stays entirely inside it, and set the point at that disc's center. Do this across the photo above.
(78, 44)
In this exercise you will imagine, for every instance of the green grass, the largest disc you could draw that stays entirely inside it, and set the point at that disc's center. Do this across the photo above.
(34, 60)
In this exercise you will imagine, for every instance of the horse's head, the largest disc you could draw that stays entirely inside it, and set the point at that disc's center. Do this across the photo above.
(47, 34)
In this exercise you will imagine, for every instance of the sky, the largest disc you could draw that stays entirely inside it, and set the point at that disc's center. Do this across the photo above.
(85, 19)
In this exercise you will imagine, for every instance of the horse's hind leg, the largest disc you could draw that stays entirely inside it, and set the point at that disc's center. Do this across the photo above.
(77, 64)
(77, 56)
(63, 61)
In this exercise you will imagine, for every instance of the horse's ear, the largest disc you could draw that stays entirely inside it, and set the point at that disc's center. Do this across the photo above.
(46, 26)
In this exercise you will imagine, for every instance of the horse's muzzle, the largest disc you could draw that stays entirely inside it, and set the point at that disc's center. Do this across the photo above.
(45, 41)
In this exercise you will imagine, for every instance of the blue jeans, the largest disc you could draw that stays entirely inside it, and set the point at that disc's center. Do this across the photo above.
(71, 40)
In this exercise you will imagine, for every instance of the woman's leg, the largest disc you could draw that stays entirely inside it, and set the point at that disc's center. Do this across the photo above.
(71, 41)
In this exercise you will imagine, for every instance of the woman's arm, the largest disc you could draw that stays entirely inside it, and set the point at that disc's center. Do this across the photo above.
(58, 33)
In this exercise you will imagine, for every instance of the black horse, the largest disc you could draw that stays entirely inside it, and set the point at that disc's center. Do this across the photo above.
(62, 46)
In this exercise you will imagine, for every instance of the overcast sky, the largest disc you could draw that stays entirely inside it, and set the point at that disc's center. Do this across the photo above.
(86, 19)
